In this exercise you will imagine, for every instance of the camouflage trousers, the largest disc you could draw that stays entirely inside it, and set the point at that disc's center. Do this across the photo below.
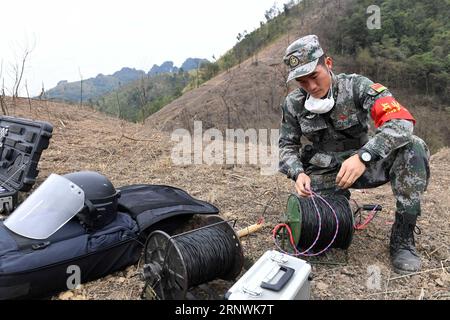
(407, 169)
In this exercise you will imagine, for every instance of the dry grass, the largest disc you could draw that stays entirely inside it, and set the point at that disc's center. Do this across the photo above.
(130, 153)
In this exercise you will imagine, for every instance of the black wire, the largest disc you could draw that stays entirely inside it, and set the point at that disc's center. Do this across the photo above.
(209, 254)
(310, 223)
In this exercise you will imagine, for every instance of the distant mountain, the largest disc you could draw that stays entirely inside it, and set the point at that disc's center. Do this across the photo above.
(166, 67)
(127, 75)
(94, 88)
(193, 63)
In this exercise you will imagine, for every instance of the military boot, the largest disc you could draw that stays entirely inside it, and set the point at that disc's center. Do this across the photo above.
(404, 256)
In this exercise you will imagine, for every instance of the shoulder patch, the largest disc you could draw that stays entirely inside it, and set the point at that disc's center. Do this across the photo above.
(376, 89)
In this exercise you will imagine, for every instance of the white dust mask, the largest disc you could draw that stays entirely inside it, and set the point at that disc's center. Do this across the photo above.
(320, 106)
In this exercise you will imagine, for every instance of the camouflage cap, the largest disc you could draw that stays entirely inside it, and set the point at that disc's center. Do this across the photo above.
(302, 56)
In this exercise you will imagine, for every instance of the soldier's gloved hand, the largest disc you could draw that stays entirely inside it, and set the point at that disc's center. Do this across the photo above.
(303, 185)
(352, 169)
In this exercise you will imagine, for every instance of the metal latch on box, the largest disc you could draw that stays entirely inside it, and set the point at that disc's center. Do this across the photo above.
(254, 292)
(6, 203)
(279, 258)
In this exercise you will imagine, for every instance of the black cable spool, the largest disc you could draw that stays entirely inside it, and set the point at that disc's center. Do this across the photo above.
(173, 265)
(302, 218)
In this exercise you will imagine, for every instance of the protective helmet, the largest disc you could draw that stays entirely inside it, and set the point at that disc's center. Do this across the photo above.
(100, 199)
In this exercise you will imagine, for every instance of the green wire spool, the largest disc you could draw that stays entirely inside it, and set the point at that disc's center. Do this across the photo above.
(293, 217)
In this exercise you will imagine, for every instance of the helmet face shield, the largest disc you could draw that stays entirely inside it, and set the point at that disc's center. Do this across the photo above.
(47, 209)
(101, 199)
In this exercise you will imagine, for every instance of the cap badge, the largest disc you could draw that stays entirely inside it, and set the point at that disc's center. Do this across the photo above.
(293, 61)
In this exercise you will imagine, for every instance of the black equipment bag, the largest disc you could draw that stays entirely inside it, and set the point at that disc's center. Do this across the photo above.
(160, 207)
(38, 269)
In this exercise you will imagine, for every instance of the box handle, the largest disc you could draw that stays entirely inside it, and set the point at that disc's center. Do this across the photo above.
(277, 287)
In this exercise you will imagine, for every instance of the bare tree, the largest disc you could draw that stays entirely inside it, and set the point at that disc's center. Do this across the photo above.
(142, 93)
(256, 98)
(2, 95)
(28, 94)
(119, 109)
(229, 103)
(19, 68)
(239, 48)
(198, 67)
(186, 121)
(3, 100)
(223, 91)
(280, 75)
(81, 87)
(42, 94)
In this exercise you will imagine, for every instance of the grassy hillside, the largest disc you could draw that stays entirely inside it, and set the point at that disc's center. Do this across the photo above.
(141, 98)
(129, 153)
(409, 54)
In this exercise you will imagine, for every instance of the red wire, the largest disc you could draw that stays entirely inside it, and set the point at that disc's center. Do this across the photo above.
(368, 220)
(291, 237)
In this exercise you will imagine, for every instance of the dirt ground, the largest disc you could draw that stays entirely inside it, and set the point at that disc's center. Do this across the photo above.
(131, 153)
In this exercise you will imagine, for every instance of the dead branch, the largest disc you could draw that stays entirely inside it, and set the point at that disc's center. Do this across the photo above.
(19, 73)
(28, 95)
(137, 140)
(419, 273)
(3, 103)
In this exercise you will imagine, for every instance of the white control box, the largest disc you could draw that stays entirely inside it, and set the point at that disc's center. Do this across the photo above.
(275, 276)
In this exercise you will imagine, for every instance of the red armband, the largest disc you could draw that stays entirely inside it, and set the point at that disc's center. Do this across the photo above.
(386, 109)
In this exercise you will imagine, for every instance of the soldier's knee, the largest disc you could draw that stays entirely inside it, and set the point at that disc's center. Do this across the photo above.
(416, 157)
(417, 148)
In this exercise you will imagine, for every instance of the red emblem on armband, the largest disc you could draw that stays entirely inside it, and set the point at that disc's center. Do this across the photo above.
(386, 109)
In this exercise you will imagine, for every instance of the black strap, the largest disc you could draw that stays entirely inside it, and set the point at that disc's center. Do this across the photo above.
(26, 243)
(345, 145)
(89, 216)
(92, 209)
(69, 231)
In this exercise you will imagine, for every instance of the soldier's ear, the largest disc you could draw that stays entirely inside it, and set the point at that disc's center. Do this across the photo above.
(329, 63)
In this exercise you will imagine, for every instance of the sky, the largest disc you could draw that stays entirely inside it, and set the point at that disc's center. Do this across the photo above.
(73, 39)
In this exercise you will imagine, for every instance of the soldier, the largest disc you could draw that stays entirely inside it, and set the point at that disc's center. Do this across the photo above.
(332, 112)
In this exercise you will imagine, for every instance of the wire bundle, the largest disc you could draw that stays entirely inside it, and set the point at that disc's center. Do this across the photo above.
(326, 222)
(209, 254)
(332, 217)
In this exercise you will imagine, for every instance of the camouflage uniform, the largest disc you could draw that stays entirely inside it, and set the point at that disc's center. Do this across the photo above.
(402, 158)
(397, 155)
